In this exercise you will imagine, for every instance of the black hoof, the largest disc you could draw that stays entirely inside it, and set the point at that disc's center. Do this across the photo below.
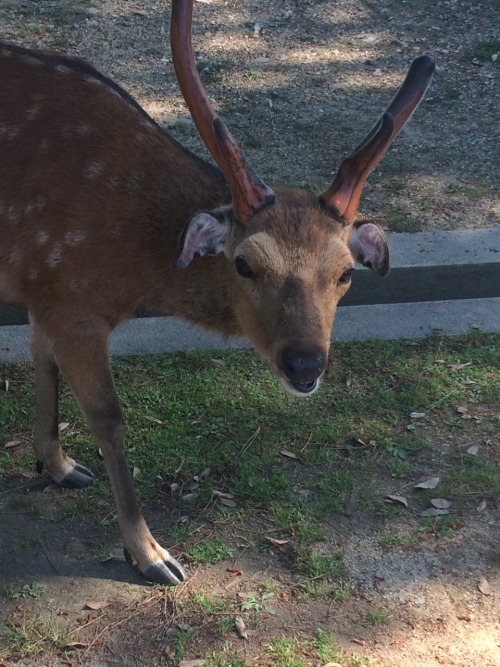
(78, 478)
(168, 572)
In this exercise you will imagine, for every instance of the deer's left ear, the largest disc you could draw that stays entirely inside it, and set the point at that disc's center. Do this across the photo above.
(369, 247)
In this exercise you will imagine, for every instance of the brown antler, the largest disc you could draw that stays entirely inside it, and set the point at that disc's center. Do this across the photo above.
(249, 192)
(344, 193)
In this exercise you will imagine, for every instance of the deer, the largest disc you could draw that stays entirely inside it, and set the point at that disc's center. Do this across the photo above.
(102, 211)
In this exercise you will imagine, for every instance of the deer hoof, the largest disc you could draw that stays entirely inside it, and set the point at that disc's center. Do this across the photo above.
(78, 478)
(168, 572)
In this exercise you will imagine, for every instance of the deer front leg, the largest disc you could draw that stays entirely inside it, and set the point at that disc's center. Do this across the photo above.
(84, 362)
(62, 469)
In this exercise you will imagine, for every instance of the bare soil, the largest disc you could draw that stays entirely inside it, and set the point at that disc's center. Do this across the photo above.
(299, 83)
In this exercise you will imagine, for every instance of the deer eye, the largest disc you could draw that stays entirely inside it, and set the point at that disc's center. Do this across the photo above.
(346, 276)
(242, 267)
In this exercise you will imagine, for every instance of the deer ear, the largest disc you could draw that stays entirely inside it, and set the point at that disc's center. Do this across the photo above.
(369, 247)
(205, 234)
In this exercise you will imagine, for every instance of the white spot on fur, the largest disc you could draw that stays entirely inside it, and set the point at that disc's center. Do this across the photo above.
(93, 169)
(73, 238)
(32, 112)
(15, 256)
(40, 202)
(9, 131)
(31, 60)
(42, 237)
(83, 129)
(56, 256)
(12, 214)
(93, 81)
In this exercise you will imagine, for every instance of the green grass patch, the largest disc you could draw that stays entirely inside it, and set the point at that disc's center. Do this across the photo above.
(289, 464)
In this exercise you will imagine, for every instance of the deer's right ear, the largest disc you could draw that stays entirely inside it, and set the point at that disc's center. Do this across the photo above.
(205, 234)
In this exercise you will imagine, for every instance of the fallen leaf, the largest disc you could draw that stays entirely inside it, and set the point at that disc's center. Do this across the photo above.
(190, 497)
(441, 503)
(205, 473)
(223, 494)
(301, 491)
(332, 664)
(219, 362)
(174, 487)
(484, 586)
(467, 381)
(63, 426)
(136, 472)
(481, 507)
(457, 367)
(114, 554)
(234, 571)
(192, 663)
(95, 606)
(228, 502)
(361, 642)
(12, 443)
(417, 415)
(289, 455)
(430, 483)
(276, 542)
(434, 511)
(462, 409)
(7, 384)
(397, 499)
(240, 626)
(154, 420)
(73, 645)
(473, 450)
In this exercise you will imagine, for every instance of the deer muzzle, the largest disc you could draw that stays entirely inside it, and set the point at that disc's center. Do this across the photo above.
(301, 368)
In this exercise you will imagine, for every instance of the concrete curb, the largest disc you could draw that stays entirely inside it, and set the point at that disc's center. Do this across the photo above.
(447, 282)
(155, 335)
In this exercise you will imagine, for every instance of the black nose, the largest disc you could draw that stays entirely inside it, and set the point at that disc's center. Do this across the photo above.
(302, 365)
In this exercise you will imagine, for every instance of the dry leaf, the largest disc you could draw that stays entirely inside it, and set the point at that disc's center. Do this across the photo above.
(12, 443)
(467, 381)
(289, 455)
(396, 499)
(136, 472)
(277, 543)
(240, 626)
(332, 664)
(473, 450)
(190, 497)
(301, 491)
(441, 503)
(228, 502)
(234, 571)
(192, 663)
(457, 367)
(63, 426)
(481, 507)
(433, 511)
(484, 586)
(7, 384)
(95, 606)
(73, 645)
(430, 483)
(223, 494)
(417, 415)
(205, 473)
(219, 362)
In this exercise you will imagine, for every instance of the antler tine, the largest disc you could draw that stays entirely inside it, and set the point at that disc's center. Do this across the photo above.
(344, 193)
(249, 192)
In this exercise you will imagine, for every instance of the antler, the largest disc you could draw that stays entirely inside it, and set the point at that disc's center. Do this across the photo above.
(249, 192)
(344, 193)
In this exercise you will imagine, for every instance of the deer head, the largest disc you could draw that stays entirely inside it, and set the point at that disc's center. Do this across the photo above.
(292, 253)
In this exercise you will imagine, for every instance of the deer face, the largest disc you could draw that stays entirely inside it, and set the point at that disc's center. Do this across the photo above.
(288, 268)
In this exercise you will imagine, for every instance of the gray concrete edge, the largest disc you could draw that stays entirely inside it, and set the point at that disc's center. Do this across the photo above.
(155, 335)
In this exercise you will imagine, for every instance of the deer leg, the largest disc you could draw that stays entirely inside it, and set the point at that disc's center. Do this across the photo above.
(84, 361)
(63, 470)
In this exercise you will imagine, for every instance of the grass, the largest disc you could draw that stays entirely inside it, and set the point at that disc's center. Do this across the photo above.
(224, 414)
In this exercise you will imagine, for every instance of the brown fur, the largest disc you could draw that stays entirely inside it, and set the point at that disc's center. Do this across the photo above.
(94, 198)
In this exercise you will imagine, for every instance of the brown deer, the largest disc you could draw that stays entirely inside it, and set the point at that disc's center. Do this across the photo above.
(102, 211)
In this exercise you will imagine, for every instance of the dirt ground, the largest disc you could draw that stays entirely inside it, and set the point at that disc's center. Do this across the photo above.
(299, 82)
